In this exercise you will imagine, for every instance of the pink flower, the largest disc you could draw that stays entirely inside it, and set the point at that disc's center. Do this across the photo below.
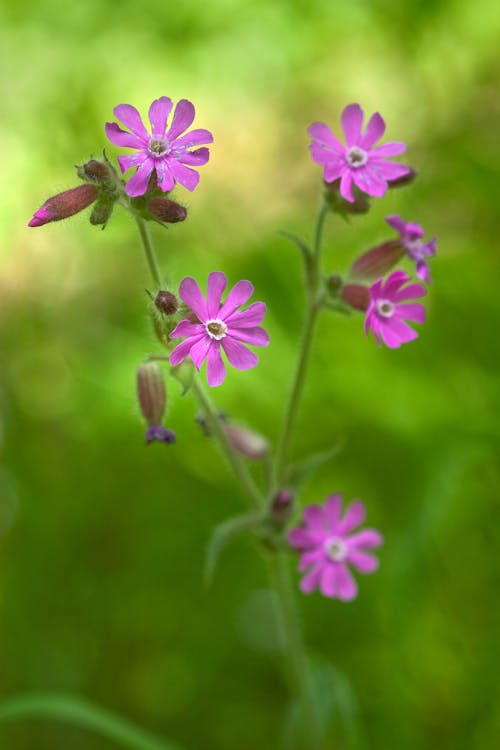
(220, 326)
(166, 151)
(388, 310)
(327, 548)
(411, 239)
(357, 163)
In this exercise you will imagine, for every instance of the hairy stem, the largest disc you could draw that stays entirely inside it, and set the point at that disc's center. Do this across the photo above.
(149, 251)
(304, 352)
(239, 468)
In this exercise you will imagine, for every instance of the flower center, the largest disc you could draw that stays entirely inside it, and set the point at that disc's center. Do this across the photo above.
(356, 157)
(385, 308)
(158, 147)
(335, 549)
(216, 329)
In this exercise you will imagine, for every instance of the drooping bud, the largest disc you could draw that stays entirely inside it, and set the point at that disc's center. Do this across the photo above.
(406, 179)
(151, 392)
(152, 399)
(166, 302)
(245, 442)
(281, 508)
(64, 205)
(377, 261)
(166, 211)
(356, 296)
(338, 204)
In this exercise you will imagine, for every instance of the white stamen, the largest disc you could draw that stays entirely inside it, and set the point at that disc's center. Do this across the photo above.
(356, 157)
(335, 549)
(158, 147)
(385, 308)
(216, 328)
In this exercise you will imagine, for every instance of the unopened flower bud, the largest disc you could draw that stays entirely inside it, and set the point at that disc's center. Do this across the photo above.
(377, 261)
(166, 302)
(281, 508)
(102, 211)
(151, 392)
(64, 204)
(245, 442)
(166, 210)
(360, 205)
(333, 283)
(356, 296)
(404, 180)
(96, 171)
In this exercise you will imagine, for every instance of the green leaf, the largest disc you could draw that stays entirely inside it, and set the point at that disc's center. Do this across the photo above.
(80, 713)
(299, 473)
(225, 533)
(301, 244)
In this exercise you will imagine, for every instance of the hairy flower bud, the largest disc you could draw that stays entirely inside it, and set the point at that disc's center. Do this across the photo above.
(404, 180)
(96, 171)
(166, 302)
(64, 204)
(151, 392)
(356, 296)
(245, 442)
(166, 210)
(102, 210)
(281, 508)
(377, 261)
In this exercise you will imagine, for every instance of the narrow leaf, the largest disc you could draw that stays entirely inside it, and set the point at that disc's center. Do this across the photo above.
(225, 533)
(82, 714)
(299, 473)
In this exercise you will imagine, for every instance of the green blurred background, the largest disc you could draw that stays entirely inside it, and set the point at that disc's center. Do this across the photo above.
(102, 541)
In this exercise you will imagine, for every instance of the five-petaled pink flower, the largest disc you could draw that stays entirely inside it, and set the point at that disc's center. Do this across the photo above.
(166, 151)
(359, 162)
(388, 309)
(327, 547)
(221, 325)
(411, 239)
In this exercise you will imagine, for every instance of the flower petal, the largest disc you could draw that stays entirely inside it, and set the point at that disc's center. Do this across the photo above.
(165, 179)
(409, 292)
(393, 148)
(182, 350)
(195, 158)
(121, 138)
(347, 586)
(185, 176)
(323, 136)
(239, 294)
(183, 117)
(186, 328)
(311, 581)
(310, 557)
(329, 584)
(352, 120)
(362, 562)
(217, 282)
(131, 118)
(370, 180)
(354, 516)
(333, 510)
(200, 350)
(253, 336)
(334, 169)
(314, 518)
(365, 538)
(158, 115)
(138, 183)
(238, 355)
(302, 538)
(197, 137)
(389, 170)
(374, 131)
(411, 311)
(247, 318)
(126, 162)
(346, 186)
(216, 369)
(190, 293)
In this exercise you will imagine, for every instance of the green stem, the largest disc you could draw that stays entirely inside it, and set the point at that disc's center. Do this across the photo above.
(240, 470)
(149, 251)
(290, 625)
(305, 346)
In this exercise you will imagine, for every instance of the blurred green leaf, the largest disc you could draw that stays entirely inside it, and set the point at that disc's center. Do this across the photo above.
(225, 533)
(299, 473)
(84, 715)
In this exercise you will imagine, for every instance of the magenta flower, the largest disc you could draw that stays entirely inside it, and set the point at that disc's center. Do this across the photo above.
(388, 310)
(220, 326)
(327, 547)
(359, 162)
(166, 151)
(411, 239)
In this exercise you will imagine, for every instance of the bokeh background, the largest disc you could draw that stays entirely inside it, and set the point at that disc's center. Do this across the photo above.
(102, 541)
